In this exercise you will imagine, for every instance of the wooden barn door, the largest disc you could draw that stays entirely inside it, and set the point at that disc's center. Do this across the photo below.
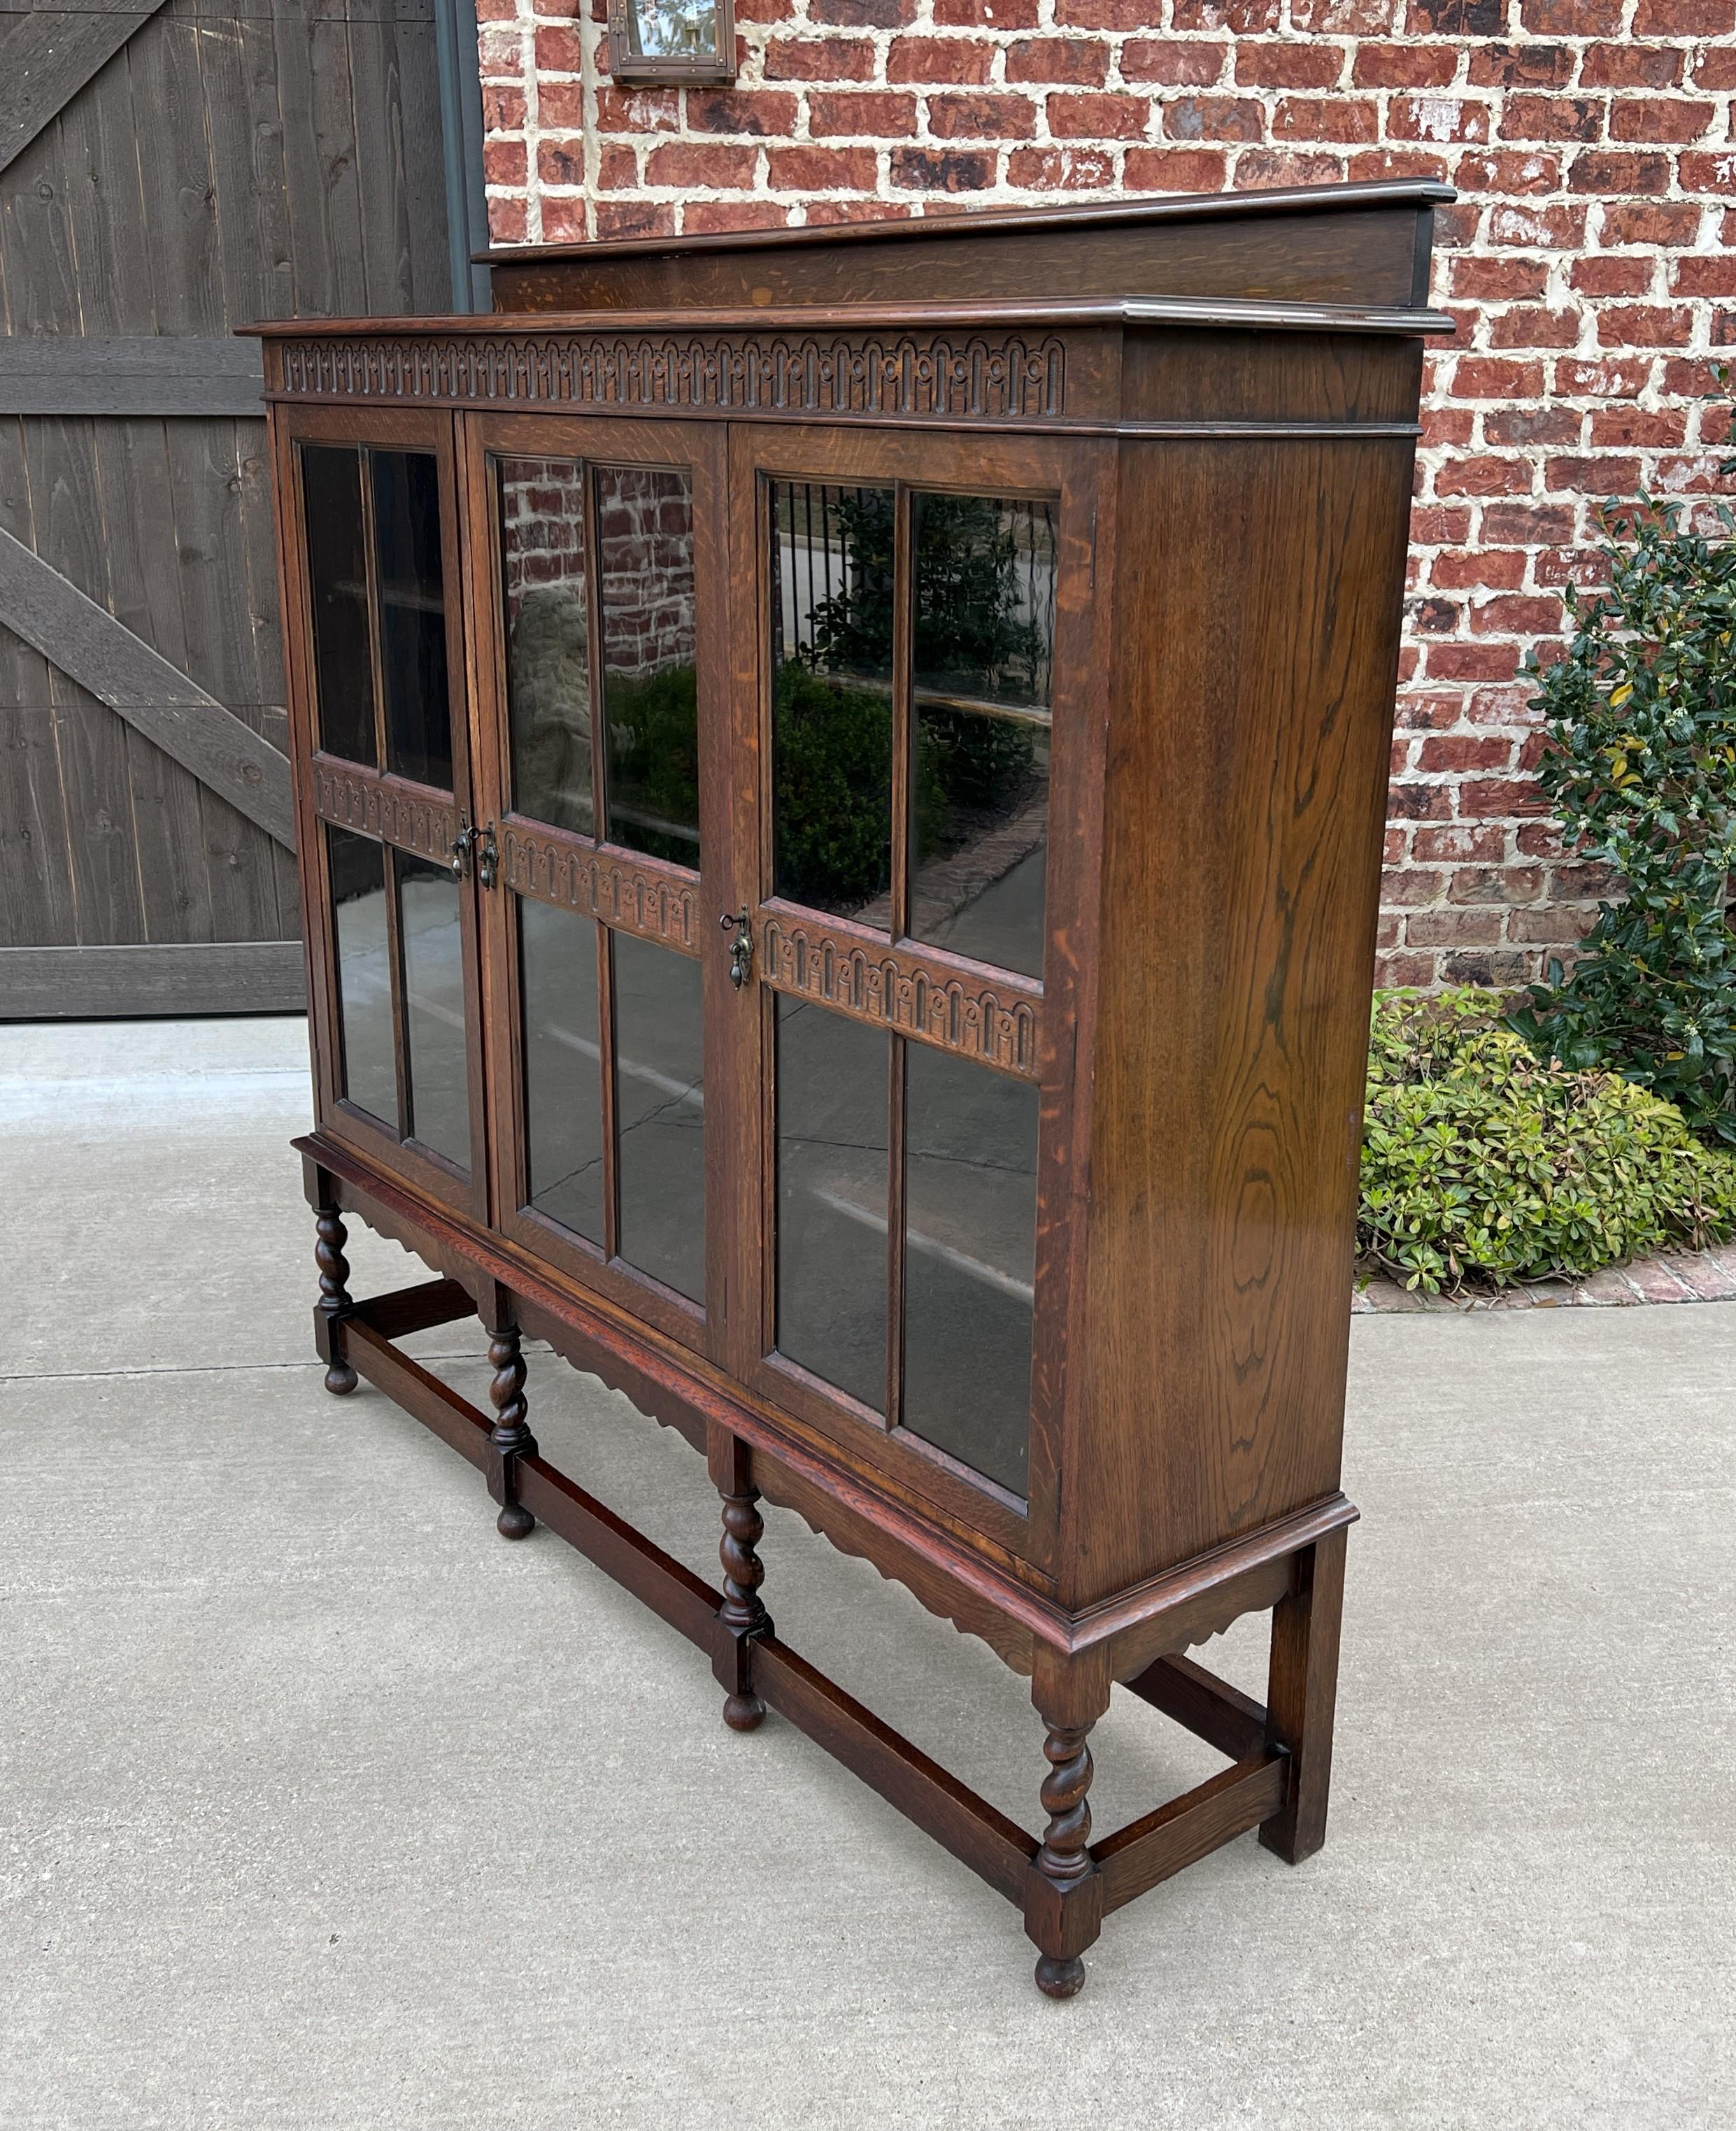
(170, 170)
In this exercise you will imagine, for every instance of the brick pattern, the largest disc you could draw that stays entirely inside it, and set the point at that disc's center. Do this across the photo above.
(646, 547)
(1589, 265)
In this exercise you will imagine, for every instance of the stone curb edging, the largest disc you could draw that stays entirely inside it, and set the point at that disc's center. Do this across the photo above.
(1673, 1277)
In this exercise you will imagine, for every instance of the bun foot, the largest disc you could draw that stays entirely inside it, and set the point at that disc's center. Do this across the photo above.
(743, 1713)
(340, 1379)
(1060, 1979)
(515, 1521)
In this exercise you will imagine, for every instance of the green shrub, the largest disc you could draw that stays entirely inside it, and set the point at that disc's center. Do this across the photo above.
(1642, 770)
(1483, 1163)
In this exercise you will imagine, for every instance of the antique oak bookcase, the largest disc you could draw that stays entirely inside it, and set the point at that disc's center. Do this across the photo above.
(840, 780)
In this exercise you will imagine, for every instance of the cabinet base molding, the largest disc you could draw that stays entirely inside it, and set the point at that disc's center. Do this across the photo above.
(1063, 1884)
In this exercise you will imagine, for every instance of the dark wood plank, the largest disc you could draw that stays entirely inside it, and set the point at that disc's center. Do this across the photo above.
(417, 1309)
(51, 984)
(996, 1848)
(1303, 1691)
(262, 178)
(305, 186)
(382, 175)
(426, 161)
(88, 644)
(436, 1405)
(69, 374)
(1135, 1858)
(334, 119)
(656, 1578)
(37, 902)
(117, 310)
(50, 56)
(1209, 1707)
(68, 521)
(1320, 243)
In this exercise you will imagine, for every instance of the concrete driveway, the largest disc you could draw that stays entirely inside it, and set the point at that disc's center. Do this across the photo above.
(319, 1806)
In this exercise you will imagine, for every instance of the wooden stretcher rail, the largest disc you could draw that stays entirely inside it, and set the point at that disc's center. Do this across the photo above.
(437, 1406)
(1209, 1707)
(417, 1309)
(1136, 1857)
(638, 1565)
(996, 1848)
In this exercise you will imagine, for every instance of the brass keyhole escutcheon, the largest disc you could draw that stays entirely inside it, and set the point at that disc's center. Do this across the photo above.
(742, 947)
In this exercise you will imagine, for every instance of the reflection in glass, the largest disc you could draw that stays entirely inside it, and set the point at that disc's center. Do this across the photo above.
(982, 645)
(672, 29)
(412, 615)
(437, 1063)
(831, 566)
(660, 1106)
(369, 1072)
(645, 563)
(563, 1067)
(970, 1259)
(542, 516)
(832, 1094)
(343, 674)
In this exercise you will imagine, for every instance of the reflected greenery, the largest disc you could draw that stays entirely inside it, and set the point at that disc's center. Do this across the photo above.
(653, 761)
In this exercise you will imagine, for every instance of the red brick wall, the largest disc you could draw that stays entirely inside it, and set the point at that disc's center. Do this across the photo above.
(1589, 264)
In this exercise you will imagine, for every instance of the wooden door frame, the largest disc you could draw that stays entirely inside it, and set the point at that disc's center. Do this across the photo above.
(623, 890)
(399, 814)
(965, 463)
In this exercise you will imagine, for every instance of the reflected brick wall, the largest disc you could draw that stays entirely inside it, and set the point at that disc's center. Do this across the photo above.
(644, 532)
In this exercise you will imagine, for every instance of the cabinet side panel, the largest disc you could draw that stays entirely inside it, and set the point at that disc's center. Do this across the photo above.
(1259, 615)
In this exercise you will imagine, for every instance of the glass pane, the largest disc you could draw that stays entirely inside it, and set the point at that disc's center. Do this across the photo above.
(970, 1260)
(660, 1104)
(982, 646)
(832, 1091)
(563, 1067)
(830, 569)
(412, 615)
(369, 1072)
(433, 947)
(672, 29)
(343, 674)
(542, 504)
(645, 561)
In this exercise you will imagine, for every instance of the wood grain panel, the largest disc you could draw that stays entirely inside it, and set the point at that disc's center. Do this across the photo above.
(180, 977)
(1236, 949)
(49, 57)
(86, 642)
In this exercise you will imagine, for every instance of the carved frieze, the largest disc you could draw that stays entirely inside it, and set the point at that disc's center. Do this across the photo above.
(979, 377)
(979, 1019)
(352, 798)
(631, 897)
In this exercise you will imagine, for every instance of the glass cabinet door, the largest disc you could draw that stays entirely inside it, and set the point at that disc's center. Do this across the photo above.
(395, 935)
(909, 614)
(597, 603)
